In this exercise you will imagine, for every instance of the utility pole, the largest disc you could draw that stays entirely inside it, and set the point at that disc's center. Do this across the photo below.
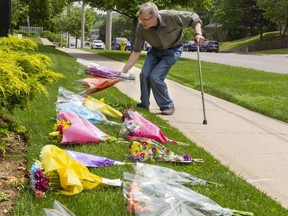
(83, 25)
(108, 37)
(28, 24)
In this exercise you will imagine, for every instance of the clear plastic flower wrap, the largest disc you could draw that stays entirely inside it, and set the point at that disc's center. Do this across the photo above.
(58, 210)
(70, 102)
(66, 96)
(151, 192)
(147, 196)
(94, 104)
(165, 174)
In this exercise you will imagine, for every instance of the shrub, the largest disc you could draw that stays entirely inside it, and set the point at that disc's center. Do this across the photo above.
(50, 36)
(14, 43)
(22, 74)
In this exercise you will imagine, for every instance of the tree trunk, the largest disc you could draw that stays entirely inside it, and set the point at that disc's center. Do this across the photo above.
(261, 33)
(108, 35)
(83, 25)
(133, 36)
(286, 28)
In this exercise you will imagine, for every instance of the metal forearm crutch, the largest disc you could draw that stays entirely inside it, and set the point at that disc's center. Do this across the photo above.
(201, 84)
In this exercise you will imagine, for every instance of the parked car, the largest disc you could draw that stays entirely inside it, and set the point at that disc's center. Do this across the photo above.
(97, 44)
(116, 42)
(191, 47)
(186, 44)
(128, 46)
(87, 45)
(212, 46)
(72, 44)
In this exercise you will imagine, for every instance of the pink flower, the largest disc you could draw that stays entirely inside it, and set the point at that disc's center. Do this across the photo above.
(39, 194)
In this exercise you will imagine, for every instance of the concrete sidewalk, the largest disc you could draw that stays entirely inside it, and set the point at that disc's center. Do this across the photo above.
(252, 145)
(46, 42)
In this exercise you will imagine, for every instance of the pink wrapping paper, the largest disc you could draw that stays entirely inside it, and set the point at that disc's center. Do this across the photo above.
(80, 130)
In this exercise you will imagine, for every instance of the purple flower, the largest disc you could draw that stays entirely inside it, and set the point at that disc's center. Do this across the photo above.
(187, 158)
(42, 184)
(38, 174)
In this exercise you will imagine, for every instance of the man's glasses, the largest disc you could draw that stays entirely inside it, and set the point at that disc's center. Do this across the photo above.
(145, 20)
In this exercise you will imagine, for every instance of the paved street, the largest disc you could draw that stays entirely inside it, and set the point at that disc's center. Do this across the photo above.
(268, 63)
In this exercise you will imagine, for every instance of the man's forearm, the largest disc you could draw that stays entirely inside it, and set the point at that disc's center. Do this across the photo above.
(131, 61)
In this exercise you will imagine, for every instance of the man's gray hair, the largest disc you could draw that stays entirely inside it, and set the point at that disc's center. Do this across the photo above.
(150, 8)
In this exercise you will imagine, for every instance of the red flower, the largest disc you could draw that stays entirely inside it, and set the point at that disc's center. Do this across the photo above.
(60, 128)
(142, 155)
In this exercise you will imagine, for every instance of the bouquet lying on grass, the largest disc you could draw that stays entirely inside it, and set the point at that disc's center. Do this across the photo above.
(74, 129)
(57, 171)
(66, 96)
(144, 149)
(136, 126)
(152, 190)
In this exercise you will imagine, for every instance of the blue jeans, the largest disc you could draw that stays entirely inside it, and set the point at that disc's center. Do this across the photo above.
(155, 69)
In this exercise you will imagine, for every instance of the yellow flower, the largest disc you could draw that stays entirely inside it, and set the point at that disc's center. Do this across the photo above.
(62, 125)
(135, 148)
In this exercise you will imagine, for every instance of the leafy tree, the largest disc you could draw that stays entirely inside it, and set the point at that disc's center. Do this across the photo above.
(40, 12)
(20, 13)
(70, 21)
(121, 28)
(99, 20)
(230, 14)
(241, 18)
(275, 11)
(256, 22)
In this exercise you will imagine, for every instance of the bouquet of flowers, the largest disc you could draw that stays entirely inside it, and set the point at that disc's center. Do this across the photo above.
(71, 128)
(39, 181)
(94, 104)
(151, 150)
(151, 194)
(135, 125)
(97, 83)
(57, 171)
(103, 71)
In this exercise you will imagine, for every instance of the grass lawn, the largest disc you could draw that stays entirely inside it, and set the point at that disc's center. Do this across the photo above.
(252, 40)
(234, 193)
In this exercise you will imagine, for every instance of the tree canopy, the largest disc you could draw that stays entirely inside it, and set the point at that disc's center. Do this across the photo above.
(275, 11)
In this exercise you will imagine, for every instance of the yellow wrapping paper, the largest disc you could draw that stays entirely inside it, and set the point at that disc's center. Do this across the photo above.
(94, 104)
(74, 177)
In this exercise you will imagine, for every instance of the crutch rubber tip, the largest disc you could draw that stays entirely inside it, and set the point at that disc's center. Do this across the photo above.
(205, 121)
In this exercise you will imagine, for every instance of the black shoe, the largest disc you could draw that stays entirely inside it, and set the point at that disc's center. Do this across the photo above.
(140, 105)
(167, 111)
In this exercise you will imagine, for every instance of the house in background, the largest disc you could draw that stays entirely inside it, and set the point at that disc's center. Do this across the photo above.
(213, 31)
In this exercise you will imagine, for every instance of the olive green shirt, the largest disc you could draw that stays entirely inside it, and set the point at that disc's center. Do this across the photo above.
(168, 32)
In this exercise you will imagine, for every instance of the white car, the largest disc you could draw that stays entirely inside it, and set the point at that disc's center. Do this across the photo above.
(97, 44)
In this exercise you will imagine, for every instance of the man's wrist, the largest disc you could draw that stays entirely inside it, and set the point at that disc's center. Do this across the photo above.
(198, 33)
